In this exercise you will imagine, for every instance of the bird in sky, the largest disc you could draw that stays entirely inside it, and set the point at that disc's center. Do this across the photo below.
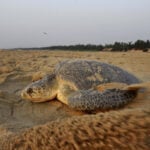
(45, 33)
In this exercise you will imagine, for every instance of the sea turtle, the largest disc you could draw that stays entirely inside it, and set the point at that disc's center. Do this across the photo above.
(85, 85)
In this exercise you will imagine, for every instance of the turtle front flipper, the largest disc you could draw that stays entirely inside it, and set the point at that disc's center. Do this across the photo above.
(89, 100)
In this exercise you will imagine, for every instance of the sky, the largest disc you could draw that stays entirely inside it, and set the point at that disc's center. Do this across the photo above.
(38, 23)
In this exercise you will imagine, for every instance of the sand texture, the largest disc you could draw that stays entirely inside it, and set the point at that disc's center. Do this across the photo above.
(52, 125)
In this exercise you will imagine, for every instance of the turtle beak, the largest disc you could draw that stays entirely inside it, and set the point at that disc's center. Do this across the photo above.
(26, 93)
(23, 94)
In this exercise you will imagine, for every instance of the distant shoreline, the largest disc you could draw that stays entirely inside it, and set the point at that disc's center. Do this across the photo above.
(116, 46)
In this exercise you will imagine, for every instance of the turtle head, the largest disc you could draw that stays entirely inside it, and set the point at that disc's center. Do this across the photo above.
(41, 90)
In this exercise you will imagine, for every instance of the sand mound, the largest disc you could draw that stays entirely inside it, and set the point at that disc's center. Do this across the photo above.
(127, 129)
(52, 125)
(37, 76)
(4, 69)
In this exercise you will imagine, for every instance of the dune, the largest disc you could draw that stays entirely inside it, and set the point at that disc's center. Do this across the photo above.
(52, 125)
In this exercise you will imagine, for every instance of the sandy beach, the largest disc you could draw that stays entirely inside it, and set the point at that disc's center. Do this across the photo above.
(19, 117)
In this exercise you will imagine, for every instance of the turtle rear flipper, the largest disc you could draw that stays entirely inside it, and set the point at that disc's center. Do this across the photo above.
(88, 100)
(112, 85)
(121, 86)
(138, 86)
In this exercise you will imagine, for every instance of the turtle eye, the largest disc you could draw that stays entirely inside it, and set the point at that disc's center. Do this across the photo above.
(50, 77)
(29, 91)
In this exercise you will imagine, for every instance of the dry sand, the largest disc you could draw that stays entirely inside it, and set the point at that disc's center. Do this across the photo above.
(17, 116)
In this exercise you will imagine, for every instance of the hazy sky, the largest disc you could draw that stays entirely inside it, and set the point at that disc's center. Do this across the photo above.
(22, 22)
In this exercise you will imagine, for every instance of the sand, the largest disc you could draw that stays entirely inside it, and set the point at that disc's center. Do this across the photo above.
(19, 118)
